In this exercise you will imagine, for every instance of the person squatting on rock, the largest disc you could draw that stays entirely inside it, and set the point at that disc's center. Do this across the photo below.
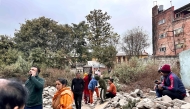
(86, 91)
(12, 95)
(63, 98)
(91, 87)
(112, 89)
(102, 85)
(171, 85)
(157, 82)
(77, 86)
(35, 86)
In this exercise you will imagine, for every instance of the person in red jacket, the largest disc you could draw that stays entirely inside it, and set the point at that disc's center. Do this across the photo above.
(86, 91)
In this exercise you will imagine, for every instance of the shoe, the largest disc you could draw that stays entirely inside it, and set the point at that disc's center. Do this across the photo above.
(101, 102)
(91, 104)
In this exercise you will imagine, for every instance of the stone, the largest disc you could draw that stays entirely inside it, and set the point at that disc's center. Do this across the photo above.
(187, 99)
(185, 106)
(166, 99)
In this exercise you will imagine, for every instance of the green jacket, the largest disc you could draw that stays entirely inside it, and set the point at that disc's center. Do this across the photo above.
(102, 83)
(35, 86)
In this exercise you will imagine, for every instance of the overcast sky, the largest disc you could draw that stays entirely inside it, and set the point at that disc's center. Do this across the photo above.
(126, 14)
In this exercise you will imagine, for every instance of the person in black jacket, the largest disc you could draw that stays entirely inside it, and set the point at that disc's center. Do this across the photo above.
(77, 87)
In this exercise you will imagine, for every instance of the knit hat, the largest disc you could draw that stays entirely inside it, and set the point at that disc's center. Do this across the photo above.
(166, 68)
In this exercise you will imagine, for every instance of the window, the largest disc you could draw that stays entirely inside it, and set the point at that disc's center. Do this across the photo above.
(161, 22)
(177, 15)
(161, 36)
(178, 31)
(162, 49)
(178, 46)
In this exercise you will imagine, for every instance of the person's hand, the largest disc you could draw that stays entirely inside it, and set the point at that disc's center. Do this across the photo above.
(33, 73)
(160, 87)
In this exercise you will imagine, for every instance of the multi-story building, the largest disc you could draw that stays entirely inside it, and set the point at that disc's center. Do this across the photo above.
(170, 30)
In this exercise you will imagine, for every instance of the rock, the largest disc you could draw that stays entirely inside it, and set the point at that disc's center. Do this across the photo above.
(166, 99)
(152, 93)
(185, 106)
(187, 99)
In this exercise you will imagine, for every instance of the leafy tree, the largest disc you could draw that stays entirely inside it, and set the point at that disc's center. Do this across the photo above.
(40, 39)
(102, 36)
(8, 52)
(80, 32)
(134, 42)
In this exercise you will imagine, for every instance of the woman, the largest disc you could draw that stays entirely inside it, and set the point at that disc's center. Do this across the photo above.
(86, 91)
(63, 98)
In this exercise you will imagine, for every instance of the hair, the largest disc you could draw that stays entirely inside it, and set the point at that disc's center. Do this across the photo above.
(62, 81)
(12, 94)
(89, 76)
(38, 69)
(111, 80)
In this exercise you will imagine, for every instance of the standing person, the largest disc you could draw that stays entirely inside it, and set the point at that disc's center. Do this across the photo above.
(35, 85)
(112, 89)
(102, 85)
(172, 85)
(96, 88)
(91, 87)
(86, 91)
(77, 87)
(63, 98)
(13, 95)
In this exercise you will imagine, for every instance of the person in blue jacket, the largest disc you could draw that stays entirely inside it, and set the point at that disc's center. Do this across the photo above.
(171, 86)
(91, 87)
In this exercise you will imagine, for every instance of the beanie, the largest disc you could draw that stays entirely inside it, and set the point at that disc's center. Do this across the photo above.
(166, 68)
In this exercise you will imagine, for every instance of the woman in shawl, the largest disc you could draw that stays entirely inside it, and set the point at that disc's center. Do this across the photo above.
(63, 98)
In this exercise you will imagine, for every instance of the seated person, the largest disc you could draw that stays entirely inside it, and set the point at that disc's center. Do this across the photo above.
(112, 89)
(171, 85)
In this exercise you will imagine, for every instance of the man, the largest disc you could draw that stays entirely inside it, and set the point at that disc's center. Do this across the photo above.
(77, 86)
(102, 85)
(35, 85)
(112, 89)
(12, 95)
(171, 85)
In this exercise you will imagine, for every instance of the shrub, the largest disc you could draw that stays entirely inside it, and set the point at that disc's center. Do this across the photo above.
(51, 75)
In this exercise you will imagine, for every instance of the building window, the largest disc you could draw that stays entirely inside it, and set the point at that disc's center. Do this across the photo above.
(177, 15)
(161, 22)
(161, 36)
(178, 31)
(162, 49)
(178, 46)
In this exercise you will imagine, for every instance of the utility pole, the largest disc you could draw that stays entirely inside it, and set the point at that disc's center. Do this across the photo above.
(173, 40)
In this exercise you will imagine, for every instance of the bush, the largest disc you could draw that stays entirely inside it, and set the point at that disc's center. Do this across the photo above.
(51, 75)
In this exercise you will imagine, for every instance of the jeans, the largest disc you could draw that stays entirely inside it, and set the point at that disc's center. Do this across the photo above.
(34, 107)
(171, 94)
(78, 100)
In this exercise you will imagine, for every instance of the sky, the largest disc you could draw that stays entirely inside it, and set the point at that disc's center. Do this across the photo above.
(126, 14)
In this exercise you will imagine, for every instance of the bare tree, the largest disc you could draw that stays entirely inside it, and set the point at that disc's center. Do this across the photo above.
(134, 42)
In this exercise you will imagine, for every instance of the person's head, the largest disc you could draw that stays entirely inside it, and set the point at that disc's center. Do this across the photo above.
(165, 69)
(13, 95)
(77, 75)
(61, 83)
(85, 74)
(110, 81)
(34, 69)
(159, 70)
(97, 77)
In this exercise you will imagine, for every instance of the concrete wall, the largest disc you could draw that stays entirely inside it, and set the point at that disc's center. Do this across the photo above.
(184, 58)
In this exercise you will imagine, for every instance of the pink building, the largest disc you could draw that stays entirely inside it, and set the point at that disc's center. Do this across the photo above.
(170, 30)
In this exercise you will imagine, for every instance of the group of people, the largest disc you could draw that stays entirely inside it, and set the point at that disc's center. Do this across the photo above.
(88, 85)
(14, 95)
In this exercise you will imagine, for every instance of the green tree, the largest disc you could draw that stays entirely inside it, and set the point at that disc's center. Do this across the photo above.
(80, 48)
(102, 37)
(8, 52)
(41, 38)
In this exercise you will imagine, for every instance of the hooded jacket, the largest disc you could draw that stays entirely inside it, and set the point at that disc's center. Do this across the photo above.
(102, 83)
